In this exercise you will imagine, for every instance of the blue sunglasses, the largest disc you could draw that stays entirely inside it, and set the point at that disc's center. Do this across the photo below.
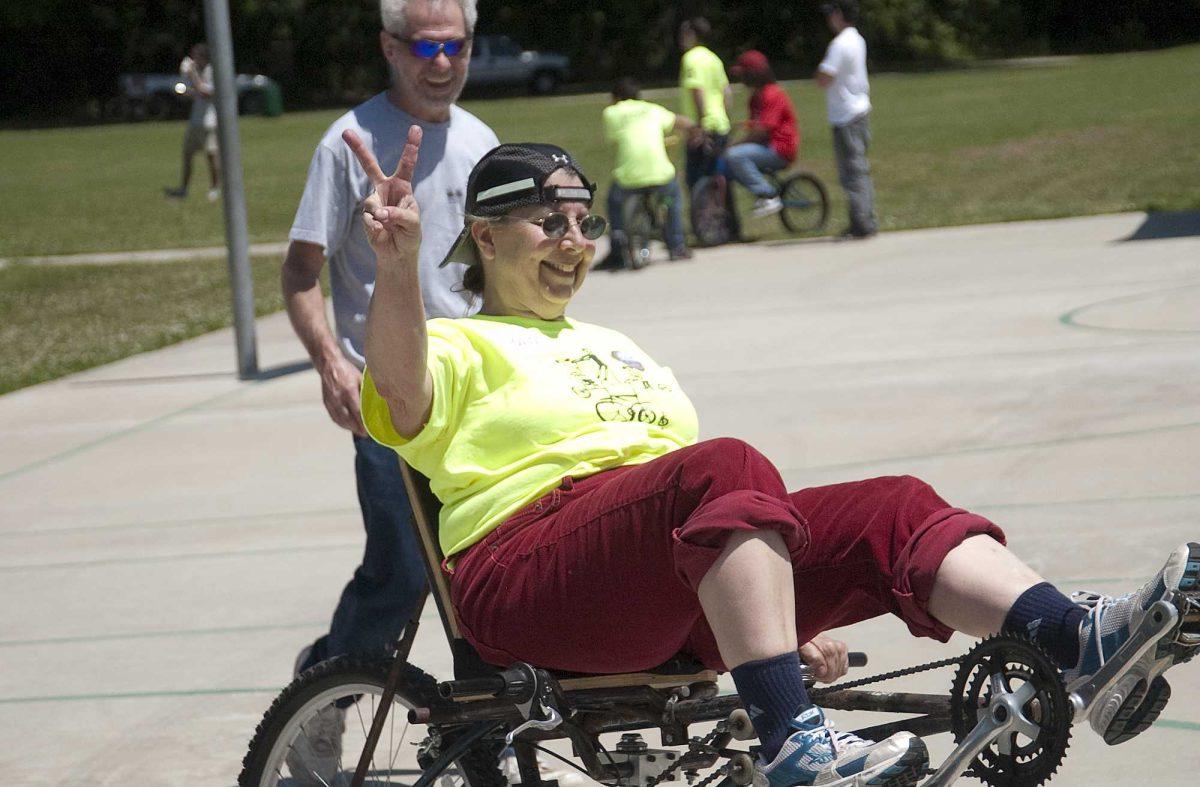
(427, 49)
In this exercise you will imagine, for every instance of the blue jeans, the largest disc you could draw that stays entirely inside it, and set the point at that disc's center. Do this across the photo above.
(699, 161)
(670, 191)
(850, 144)
(747, 163)
(378, 602)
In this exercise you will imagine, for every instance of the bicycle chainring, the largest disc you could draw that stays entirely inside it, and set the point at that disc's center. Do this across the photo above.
(1020, 761)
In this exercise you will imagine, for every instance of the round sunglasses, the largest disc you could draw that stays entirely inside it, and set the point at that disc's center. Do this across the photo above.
(428, 49)
(556, 224)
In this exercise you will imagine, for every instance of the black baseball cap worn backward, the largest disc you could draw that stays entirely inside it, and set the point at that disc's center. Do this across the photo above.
(511, 176)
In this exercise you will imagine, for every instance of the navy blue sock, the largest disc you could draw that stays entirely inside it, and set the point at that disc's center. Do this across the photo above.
(773, 693)
(1050, 619)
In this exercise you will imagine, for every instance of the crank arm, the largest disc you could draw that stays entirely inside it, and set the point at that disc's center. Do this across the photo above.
(1160, 618)
(1003, 717)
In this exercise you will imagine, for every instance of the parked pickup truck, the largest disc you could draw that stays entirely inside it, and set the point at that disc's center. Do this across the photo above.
(498, 60)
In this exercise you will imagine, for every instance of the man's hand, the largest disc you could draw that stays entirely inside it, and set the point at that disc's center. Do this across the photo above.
(390, 215)
(828, 658)
(340, 383)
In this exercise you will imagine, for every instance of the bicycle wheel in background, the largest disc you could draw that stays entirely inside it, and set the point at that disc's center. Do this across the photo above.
(293, 744)
(805, 203)
(710, 213)
(639, 230)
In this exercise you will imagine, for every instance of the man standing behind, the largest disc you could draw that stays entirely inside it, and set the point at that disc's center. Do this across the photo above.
(427, 44)
(843, 75)
(705, 97)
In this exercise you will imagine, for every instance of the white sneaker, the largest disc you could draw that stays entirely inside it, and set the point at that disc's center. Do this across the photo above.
(1137, 697)
(817, 754)
(765, 206)
(214, 195)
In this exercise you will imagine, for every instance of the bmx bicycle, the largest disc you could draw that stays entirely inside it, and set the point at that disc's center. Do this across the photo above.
(714, 210)
(1008, 710)
(644, 217)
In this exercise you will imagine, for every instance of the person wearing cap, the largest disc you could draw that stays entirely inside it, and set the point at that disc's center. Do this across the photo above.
(843, 75)
(638, 130)
(705, 97)
(586, 528)
(427, 46)
(772, 137)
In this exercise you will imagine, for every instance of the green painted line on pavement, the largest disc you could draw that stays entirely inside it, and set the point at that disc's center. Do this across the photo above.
(172, 523)
(8, 475)
(1071, 318)
(12, 643)
(139, 695)
(172, 558)
(1087, 502)
(988, 449)
(1174, 724)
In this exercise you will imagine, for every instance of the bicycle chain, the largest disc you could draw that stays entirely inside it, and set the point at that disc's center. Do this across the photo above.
(709, 779)
(693, 744)
(900, 673)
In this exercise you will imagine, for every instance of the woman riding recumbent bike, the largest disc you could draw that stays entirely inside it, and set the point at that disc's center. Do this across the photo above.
(589, 543)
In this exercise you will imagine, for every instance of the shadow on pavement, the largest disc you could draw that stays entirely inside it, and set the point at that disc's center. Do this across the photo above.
(282, 371)
(1167, 224)
(262, 376)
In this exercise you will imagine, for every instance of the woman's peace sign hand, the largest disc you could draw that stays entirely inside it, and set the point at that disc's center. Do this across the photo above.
(390, 214)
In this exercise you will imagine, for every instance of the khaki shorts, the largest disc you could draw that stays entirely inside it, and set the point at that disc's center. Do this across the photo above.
(199, 138)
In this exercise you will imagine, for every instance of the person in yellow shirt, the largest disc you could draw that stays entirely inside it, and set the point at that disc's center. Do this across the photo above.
(638, 132)
(705, 97)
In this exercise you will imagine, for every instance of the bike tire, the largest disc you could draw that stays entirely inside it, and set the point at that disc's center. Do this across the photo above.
(805, 203)
(347, 682)
(710, 212)
(639, 231)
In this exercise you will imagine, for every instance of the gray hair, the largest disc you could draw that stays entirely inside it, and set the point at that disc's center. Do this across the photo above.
(391, 13)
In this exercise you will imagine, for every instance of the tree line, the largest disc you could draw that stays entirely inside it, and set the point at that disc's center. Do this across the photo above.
(60, 58)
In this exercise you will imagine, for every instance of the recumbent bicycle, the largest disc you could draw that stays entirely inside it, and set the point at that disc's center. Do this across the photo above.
(1008, 711)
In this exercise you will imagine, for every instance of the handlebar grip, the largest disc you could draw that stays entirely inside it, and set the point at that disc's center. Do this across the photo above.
(493, 684)
(857, 658)
(517, 682)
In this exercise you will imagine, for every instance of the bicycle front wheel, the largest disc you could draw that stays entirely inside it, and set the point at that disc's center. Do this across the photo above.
(315, 732)
(805, 203)
(710, 211)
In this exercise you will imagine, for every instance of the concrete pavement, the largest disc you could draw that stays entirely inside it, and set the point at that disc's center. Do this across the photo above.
(170, 536)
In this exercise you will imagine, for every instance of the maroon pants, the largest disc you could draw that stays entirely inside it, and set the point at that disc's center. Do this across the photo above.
(601, 574)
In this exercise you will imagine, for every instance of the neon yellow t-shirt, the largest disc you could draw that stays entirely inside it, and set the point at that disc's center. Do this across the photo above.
(701, 68)
(637, 129)
(518, 404)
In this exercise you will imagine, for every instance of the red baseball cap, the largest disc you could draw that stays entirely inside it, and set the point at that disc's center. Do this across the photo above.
(752, 60)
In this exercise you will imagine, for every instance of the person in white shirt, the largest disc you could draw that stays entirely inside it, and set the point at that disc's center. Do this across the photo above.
(843, 75)
(201, 132)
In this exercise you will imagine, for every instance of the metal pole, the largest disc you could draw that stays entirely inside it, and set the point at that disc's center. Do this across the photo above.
(220, 45)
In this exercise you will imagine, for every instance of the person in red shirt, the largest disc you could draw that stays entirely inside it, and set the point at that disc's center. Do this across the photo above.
(772, 137)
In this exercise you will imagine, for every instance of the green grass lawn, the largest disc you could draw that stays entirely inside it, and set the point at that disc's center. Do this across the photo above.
(1093, 135)
(62, 319)
(1087, 135)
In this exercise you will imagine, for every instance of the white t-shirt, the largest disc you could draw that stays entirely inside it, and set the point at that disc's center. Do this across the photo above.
(329, 212)
(203, 113)
(846, 61)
